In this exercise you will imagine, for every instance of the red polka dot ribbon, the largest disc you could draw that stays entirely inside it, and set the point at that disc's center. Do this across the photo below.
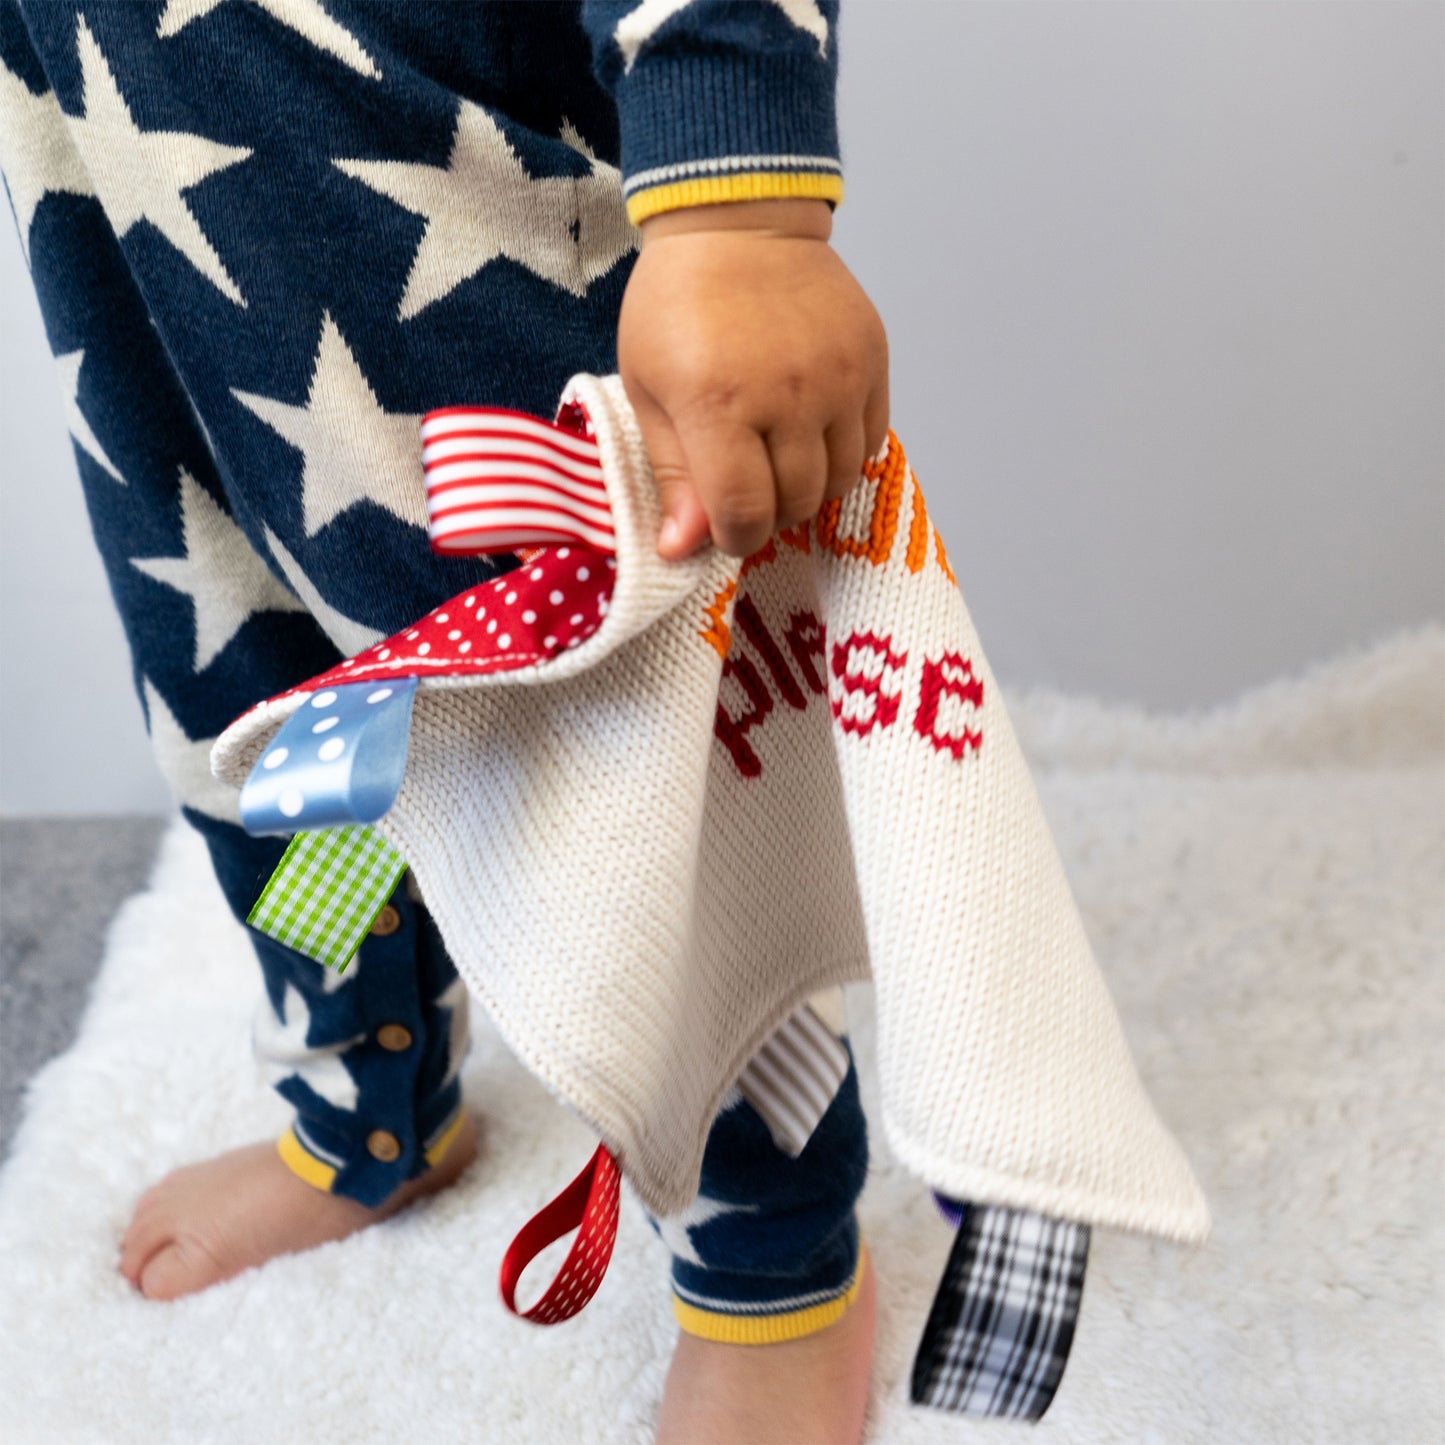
(589, 1204)
(555, 601)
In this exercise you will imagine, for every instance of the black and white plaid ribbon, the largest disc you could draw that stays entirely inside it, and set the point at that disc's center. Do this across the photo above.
(1003, 1319)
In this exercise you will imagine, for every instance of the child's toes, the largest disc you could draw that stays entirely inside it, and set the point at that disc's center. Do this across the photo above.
(181, 1266)
(142, 1239)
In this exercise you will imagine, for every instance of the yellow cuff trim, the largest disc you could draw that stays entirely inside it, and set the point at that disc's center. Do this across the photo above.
(744, 186)
(768, 1329)
(321, 1175)
(314, 1171)
(437, 1150)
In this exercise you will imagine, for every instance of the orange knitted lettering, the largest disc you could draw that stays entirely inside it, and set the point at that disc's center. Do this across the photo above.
(887, 477)
(768, 552)
(943, 558)
(717, 634)
(917, 553)
(799, 538)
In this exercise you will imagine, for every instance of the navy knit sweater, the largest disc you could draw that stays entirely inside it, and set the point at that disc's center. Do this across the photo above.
(267, 236)
(720, 100)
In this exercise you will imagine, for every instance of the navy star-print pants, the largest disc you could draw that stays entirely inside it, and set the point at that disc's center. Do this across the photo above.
(257, 269)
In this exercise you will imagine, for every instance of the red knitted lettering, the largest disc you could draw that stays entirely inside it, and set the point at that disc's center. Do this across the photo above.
(807, 641)
(756, 631)
(861, 663)
(953, 677)
(733, 732)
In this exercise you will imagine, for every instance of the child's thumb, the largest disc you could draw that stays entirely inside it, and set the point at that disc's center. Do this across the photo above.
(684, 522)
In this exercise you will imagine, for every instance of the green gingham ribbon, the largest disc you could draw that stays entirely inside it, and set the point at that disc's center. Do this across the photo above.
(326, 892)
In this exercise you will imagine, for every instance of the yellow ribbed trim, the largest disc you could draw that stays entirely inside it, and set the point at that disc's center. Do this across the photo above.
(767, 1329)
(437, 1150)
(322, 1175)
(744, 186)
(313, 1170)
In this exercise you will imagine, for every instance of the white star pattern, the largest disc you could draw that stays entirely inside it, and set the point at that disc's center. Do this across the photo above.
(350, 636)
(675, 1228)
(281, 1048)
(454, 999)
(331, 980)
(352, 448)
(185, 762)
(139, 175)
(638, 26)
(484, 205)
(69, 368)
(220, 572)
(305, 17)
(36, 155)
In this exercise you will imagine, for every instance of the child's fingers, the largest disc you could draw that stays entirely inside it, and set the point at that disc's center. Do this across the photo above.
(733, 473)
(800, 461)
(875, 415)
(847, 451)
(684, 521)
(684, 524)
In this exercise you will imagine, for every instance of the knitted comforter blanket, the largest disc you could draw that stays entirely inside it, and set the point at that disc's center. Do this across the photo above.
(731, 784)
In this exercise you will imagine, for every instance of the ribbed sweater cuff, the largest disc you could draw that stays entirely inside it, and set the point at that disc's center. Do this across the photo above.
(702, 129)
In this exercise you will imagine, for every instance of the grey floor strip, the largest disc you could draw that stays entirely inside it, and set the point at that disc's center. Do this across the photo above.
(61, 882)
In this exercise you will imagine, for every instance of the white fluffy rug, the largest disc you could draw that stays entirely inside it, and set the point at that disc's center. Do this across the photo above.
(1265, 887)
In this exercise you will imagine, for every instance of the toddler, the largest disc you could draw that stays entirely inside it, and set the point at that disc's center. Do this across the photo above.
(266, 237)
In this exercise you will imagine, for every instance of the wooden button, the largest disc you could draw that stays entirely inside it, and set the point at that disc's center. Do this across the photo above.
(383, 1146)
(393, 1038)
(387, 922)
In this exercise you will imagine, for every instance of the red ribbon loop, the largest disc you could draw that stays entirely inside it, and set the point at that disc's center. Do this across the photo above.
(589, 1204)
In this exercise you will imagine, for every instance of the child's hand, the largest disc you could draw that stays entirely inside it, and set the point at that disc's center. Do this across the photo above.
(757, 366)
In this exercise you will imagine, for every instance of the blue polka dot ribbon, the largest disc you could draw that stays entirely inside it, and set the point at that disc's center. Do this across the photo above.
(339, 759)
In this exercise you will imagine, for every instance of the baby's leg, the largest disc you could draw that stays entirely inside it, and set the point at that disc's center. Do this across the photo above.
(368, 1059)
(198, 518)
(772, 1286)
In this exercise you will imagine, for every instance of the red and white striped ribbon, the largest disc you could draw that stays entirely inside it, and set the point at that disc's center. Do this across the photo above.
(497, 480)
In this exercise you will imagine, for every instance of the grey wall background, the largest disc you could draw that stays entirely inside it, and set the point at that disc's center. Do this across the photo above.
(1165, 288)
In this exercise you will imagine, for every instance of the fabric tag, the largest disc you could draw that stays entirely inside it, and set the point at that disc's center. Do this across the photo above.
(326, 892)
(340, 758)
(497, 480)
(553, 603)
(590, 1204)
(792, 1079)
(1002, 1322)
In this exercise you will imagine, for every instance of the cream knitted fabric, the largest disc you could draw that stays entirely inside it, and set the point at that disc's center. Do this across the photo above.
(751, 782)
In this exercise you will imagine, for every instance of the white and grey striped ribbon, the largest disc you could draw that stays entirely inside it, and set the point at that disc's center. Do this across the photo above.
(794, 1077)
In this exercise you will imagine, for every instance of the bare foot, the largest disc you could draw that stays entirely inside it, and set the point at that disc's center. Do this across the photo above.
(206, 1222)
(812, 1391)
